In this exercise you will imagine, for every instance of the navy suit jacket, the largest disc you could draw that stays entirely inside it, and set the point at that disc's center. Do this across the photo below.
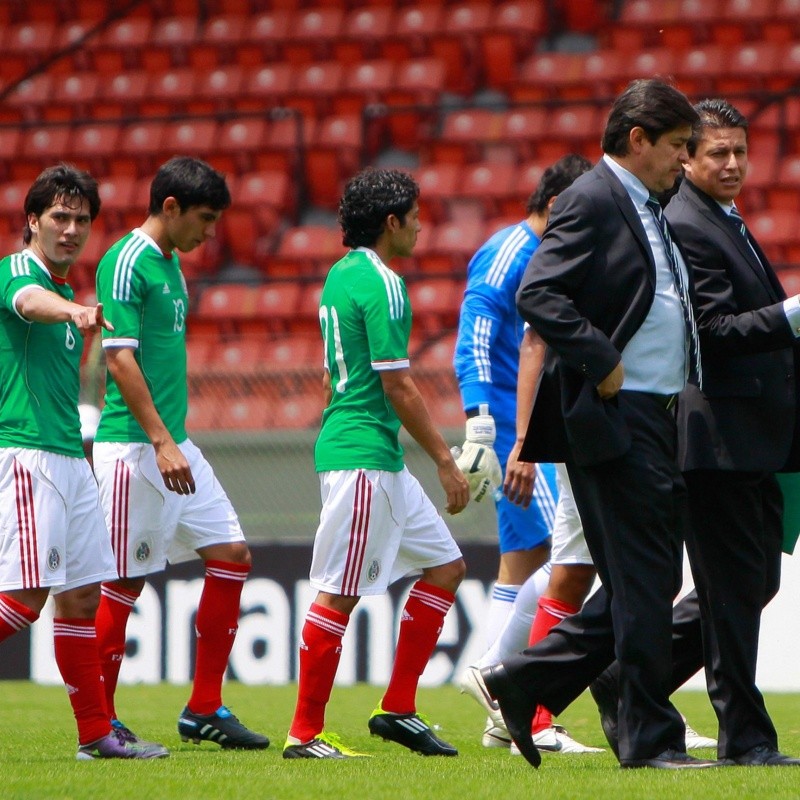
(745, 416)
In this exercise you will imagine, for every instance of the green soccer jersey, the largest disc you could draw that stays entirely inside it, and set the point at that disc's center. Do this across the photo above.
(365, 318)
(39, 366)
(143, 293)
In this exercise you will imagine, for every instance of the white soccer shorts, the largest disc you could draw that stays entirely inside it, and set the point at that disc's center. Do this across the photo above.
(149, 524)
(375, 528)
(569, 543)
(52, 533)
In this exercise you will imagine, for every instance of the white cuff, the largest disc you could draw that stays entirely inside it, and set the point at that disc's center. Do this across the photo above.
(791, 307)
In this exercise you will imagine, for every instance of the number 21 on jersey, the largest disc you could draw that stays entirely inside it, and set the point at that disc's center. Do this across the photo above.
(329, 322)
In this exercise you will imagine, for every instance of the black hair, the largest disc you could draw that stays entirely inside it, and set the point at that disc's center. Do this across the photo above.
(369, 198)
(715, 113)
(191, 182)
(63, 182)
(555, 179)
(652, 105)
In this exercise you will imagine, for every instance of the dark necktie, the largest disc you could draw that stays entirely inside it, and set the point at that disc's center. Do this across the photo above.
(736, 219)
(695, 367)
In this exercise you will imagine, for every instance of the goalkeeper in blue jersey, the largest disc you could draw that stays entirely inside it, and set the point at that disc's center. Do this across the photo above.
(486, 362)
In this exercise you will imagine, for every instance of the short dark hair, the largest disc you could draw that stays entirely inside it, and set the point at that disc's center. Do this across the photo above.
(715, 113)
(369, 198)
(63, 182)
(191, 182)
(652, 105)
(555, 179)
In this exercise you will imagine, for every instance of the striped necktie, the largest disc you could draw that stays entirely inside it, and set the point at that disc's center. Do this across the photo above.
(694, 367)
(736, 219)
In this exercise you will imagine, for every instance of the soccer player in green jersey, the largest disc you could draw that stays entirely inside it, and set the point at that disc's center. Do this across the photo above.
(377, 525)
(53, 534)
(160, 497)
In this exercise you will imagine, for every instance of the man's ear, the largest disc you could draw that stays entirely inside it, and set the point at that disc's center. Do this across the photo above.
(171, 207)
(393, 223)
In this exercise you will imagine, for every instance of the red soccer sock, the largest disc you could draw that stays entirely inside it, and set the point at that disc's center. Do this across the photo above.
(216, 624)
(420, 626)
(549, 613)
(78, 662)
(110, 622)
(320, 649)
(14, 616)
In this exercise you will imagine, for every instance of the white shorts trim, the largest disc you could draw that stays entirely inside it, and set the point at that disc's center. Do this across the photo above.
(52, 532)
(375, 528)
(150, 525)
(569, 543)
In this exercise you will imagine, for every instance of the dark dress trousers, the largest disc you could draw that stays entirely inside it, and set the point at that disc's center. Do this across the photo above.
(587, 290)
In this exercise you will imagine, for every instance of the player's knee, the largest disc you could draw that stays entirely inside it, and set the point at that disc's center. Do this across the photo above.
(80, 603)
(447, 576)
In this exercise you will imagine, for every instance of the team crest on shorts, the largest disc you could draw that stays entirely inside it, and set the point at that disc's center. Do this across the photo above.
(53, 559)
(373, 570)
(143, 551)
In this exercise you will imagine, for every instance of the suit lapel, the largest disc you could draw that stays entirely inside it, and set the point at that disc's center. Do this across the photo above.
(717, 217)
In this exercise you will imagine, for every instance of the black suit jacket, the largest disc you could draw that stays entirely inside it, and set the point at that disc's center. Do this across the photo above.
(745, 416)
(586, 291)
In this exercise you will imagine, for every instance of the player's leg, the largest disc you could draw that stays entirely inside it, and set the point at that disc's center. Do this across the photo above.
(349, 560)
(426, 545)
(138, 512)
(209, 527)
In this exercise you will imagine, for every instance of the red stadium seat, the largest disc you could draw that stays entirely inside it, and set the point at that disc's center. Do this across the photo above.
(198, 353)
(31, 39)
(245, 414)
(513, 28)
(548, 75)
(522, 127)
(434, 303)
(305, 324)
(263, 36)
(169, 91)
(363, 30)
(204, 413)
(697, 71)
(256, 190)
(31, 96)
(412, 31)
(95, 143)
(790, 280)
(120, 93)
(449, 248)
(118, 193)
(575, 128)
(277, 303)
(40, 144)
(418, 82)
(438, 185)
(227, 304)
(776, 231)
(490, 185)
(315, 86)
(311, 33)
(292, 353)
(784, 192)
(299, 411)
(72, 97)
(749, 67)
(217, 89)
(9, 142)
(305, 250)
(170, 40)
(12, 199)
(191, 137)
(265, 86)
(436, 354)
(332, 156)
(143, 140)
(364, 83)
(121, 44)
(465, 134)
(457, 43)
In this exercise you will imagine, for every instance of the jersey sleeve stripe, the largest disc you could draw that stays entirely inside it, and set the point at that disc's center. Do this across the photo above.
(123, 269)
(481, 335)
(20, 265)
(382, 366)
(505, 257)
(394, 290)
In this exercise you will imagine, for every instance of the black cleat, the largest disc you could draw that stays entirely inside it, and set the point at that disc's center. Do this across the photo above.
(409, 730)
(221, 727)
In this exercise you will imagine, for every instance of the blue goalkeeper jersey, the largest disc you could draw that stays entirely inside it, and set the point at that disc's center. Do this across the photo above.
(490, 330)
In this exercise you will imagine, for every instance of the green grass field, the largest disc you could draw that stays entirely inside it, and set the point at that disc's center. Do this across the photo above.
(37, 751)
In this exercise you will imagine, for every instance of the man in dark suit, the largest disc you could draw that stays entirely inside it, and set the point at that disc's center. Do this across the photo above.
(738, 430)
(608, 291)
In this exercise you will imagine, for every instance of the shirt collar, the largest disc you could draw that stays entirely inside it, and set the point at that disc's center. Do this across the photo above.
(638, 192)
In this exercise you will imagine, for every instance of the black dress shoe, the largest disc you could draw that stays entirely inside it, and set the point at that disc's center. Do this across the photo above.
(517, 709)
(764, 756)
(672, 759)
(606, 694)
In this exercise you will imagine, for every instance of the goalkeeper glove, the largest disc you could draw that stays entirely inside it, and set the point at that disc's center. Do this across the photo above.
(477, 459)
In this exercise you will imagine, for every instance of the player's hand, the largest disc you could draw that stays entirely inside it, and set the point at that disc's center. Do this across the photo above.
(455, 487)
(520, 478)
(477, 458)
(89, 318)
(612, 383)
(174, 469)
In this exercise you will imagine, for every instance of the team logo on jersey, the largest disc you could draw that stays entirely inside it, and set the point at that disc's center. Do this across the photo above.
(166, 289)
(143, 552)
(53, 559)
(373, 570)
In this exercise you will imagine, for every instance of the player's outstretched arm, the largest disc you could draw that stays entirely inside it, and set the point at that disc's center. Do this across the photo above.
(172, 464)
(41, 305)
(402, 393)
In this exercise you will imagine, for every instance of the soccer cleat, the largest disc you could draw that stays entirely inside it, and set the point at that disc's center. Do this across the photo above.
(131, 737)
(117, 745)
(471, 683)
(556, 739)
(494, 735)
(694, 741)
(221, 727)
(409, 730)
(323, 745)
